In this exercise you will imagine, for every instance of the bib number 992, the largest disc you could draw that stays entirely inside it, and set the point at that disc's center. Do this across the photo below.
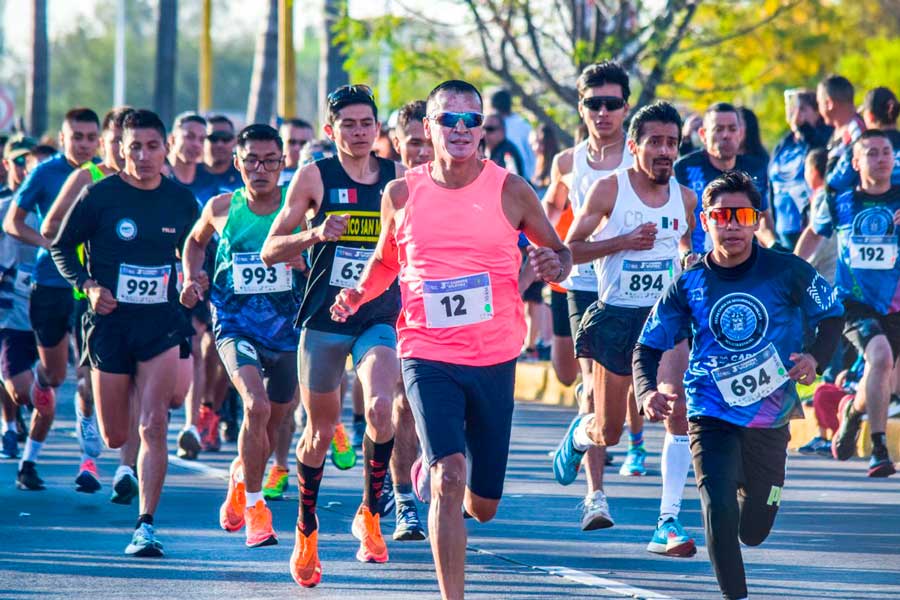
(141, 288)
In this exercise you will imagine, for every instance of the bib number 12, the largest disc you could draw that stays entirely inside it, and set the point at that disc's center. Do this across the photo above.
(454, 305)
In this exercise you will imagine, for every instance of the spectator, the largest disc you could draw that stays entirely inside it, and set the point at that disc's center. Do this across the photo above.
(498, 148)
(826, 400)
(752, 143)
(517, 130)
(545, 146)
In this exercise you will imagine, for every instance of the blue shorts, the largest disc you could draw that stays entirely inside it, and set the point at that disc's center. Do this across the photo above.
(464, 410)
(322, 355)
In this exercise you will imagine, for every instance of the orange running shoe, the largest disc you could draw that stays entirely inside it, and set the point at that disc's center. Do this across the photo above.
(259, 526)
(209, 430)
(231, 513)
(367, 529)
(305, 566)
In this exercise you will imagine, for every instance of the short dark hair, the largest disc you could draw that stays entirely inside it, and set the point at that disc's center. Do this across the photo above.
(42, 150)
(259, 132)
(299, 123)
(114, 117)
(220, 120)
(144, 119)
(82, 115)
(348, 95)
(602, 73)
(411, 112)
(883, 105)
(732, 182)
(454, 86)
(808, 98)
(869, 134)
(657, 112)
(838, 88)
(723, 107)
(817, 159)
(501, 101)
(188, 116)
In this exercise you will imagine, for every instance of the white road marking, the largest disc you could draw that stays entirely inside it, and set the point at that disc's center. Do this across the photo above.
(199, 467)
(610, 585)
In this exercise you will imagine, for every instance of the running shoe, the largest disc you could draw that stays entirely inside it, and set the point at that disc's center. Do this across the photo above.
(386, 500)
(305, 566)
(815, 446)
(231, 513)
(259, 526)
(881, 467)
(409, 527)
(359, 432)
(670, 539)
(276, 483)
(88, 435)
(87, 481)
(367, 529)
(595, 512)
(420, 475)
(28, 479)
(10, 444)
(188, 444)
(125, 489)
(567, 460)
(144, 543)
(843, 446)
(342, 453)
(209, 430)
(634, 462)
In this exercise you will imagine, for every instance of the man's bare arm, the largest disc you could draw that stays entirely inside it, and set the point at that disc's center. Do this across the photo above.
(304, 194)
(66, 197)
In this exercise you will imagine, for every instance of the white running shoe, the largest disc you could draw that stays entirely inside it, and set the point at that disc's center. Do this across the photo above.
(595, 512)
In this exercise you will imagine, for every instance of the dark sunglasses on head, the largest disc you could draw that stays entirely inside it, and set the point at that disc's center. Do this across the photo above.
(220, 136)
(450, 119)
(345, 92)
(743, 216)
(611, 103)
(21, 160)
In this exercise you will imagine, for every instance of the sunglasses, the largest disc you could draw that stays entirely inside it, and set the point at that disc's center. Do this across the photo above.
(20, 161)
(347, 92)
(220, 136)
(450, 119)
(744, 216)
(611, 103)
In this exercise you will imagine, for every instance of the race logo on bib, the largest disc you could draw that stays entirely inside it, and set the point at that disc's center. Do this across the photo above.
(738, 321)
(126, 229)
(874, 221)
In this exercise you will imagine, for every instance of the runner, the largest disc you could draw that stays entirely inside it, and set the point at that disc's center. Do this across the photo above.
(745, 308)
(132, 226)
(633, 225)
(52, 305)
(344, 194)
(835, 97)
(296, 134)
(253, 308)
(449, 230)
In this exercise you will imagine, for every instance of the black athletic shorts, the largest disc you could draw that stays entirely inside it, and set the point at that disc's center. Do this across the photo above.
(278, 368)
(862, 323)
(18, 352)
(578, 301)
(608, 335)
(534, 292)
(51, 312)
(559, 309)
(464, 410)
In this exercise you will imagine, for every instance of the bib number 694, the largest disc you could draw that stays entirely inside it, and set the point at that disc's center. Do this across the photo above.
(749, 383)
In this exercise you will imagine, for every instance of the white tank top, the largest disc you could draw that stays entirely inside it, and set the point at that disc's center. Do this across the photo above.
(636, 278)
(583, 278)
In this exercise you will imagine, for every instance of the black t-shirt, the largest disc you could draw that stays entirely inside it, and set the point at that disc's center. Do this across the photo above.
(129, 234)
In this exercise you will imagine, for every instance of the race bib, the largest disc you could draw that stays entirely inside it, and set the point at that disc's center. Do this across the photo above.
(752, 379)
(645, 280)
(458, 302)
(251, 276)
(143, 285)
(179, 275)
(873, 252)
(348, 265)
(23, 280)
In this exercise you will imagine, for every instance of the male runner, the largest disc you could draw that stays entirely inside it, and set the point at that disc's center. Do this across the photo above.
(52, 305)
(633, 225)
(343, 193)
(450, 230)
(132, 225)
(835, 98)
(218, 153)
(745, 308)
(867, 279)
(253, 308)
(296, 134)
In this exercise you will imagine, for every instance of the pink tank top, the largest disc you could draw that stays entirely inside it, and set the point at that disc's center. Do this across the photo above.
(459, 266)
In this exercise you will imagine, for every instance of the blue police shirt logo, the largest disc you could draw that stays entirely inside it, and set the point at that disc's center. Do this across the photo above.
(874, 221)
(126, 229)
(738, 321)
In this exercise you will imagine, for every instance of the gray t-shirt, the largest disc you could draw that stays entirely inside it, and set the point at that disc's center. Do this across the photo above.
(16, 268)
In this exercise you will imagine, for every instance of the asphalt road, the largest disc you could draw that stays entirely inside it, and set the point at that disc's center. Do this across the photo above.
(837, 535)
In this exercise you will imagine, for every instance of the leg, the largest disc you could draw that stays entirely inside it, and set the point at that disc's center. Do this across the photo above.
(562, 347)
(445, 521)
(406, 443)
(610, 405)
(54, 361)
(198, 382)
(595, 456)
(874, 390)
(111, 399)
(253, 440)
(764, 454)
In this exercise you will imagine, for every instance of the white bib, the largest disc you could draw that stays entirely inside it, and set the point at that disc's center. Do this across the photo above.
(143, 285)
(645, 279)
(873, 252)
(23, 280)
(752, 379)
(458, 302)
(251, 276)
(348, 265)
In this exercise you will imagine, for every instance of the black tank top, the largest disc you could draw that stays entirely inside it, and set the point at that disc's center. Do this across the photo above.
(336, 265)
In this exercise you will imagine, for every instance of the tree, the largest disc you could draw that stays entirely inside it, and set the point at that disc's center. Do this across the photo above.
(263, 82)
(332, 55)
(166, 48)
(36, 95)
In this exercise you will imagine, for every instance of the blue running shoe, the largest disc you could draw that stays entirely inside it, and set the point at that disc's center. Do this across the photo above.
(566, 459)
(10, 444)
(670, 539)
(634, 462)
(815, 446)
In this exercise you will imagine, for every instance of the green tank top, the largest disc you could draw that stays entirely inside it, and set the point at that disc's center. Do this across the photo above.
(96, 175)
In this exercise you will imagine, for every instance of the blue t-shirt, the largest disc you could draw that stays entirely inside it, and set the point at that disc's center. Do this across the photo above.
(226, 182)
(204, 186)
(867, 269)
(745, 322)
(694, 171)
(36, 195)
(842, 177)
(790, 194)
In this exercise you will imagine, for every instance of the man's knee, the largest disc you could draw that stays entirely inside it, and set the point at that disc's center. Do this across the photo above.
(257, 411)
(607, 434)
(448, 476)
(115, 439)
(378, 412)
(878, 355)
(154, 425)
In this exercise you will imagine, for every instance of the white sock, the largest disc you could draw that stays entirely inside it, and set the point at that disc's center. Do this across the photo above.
(580, 439)
(123, 470)
(10, 426)
(32, 450)
(676, 462)
(254, 497)
(401, 497)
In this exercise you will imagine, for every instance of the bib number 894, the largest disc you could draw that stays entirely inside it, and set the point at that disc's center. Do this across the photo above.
(645, 283)
(259, 275)
(749, 383)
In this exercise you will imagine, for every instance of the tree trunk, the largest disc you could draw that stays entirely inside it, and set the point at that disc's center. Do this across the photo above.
(263, 83)
(331, 61)
(36, 93)
(166, 48)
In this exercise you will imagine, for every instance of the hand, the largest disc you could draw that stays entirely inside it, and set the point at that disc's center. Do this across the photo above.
(191, 293)
(345, 304)
(658, 405)
(545, 263)
(642, 238)
(688, 260)
(333, 228)
(804, 369)
(202, 279)
(101, 299)
(298, 263)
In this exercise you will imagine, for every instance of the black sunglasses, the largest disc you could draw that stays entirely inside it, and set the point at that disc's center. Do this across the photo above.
(347, 92)
(21, 160)
(220, 136)
(611, 103)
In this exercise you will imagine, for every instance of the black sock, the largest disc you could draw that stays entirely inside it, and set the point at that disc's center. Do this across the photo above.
(879, 445)
(310, 478)
(376, 458)
(144, 518)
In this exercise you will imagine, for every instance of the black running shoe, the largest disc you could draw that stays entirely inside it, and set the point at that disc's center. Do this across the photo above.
(843, 445)
(28, 477)
(409, 527)
(386, 501)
